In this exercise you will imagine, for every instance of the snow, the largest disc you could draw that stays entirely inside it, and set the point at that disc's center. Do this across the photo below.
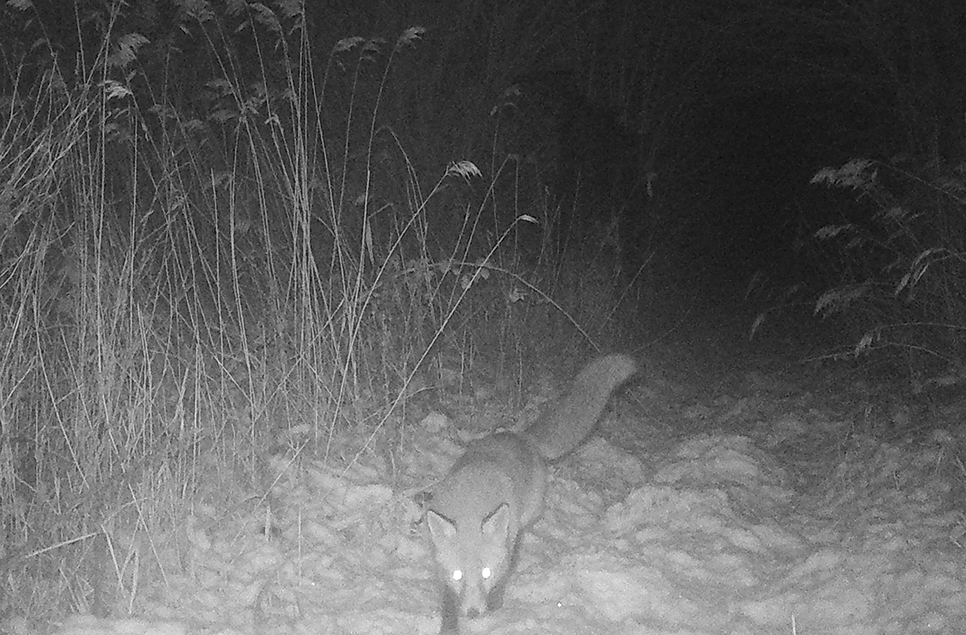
(794, 524)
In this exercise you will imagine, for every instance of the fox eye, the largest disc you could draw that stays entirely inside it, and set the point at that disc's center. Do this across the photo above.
(486, 573)
(458, 575)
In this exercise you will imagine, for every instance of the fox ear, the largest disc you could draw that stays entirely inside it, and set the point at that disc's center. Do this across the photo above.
(440, 526)
(498, 523)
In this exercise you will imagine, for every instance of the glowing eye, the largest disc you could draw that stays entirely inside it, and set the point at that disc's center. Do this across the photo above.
(457, 575)
(486, 573)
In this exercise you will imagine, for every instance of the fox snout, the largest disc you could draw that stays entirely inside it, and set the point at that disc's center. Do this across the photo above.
(474, 603)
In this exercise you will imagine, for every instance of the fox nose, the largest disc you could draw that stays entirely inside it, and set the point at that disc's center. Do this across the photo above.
(473, 613)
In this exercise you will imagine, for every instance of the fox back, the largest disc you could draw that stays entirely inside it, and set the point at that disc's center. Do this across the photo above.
(496, 490)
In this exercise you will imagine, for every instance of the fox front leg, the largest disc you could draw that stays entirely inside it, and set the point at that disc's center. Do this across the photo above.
(450, 624)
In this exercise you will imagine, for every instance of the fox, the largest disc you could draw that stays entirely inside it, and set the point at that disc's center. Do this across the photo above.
(495, 491)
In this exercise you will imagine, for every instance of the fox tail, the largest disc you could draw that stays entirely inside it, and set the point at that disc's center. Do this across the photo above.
(571, 418)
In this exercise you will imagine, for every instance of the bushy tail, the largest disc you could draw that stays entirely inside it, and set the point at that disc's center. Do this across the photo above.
(561, 428)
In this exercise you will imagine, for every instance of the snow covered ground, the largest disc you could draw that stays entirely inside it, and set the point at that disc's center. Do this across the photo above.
(766, 509)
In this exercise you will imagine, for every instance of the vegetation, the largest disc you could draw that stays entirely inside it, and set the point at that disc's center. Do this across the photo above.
(903, 266)
(887, 264)
(229, 231)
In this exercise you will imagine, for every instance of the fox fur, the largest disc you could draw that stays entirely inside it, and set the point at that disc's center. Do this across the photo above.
(496, 490)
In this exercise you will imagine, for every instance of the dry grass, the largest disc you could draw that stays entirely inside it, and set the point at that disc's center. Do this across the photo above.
(184, 295)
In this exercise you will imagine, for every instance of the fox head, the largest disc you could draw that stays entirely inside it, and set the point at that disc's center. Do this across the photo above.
(472, 561)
